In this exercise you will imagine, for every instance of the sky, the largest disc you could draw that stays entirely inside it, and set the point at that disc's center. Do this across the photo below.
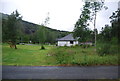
(63, 13)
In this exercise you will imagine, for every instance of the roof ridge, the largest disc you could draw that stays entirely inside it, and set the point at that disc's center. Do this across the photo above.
(68, 37)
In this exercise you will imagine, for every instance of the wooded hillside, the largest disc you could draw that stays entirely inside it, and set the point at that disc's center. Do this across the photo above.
(31, 32)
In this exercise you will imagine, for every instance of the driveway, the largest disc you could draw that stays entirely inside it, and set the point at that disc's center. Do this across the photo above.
(54, 72)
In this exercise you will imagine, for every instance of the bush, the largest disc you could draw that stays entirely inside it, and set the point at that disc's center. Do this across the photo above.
(62, 56)
(76, 45)
(72, 46)
(88, 46)
(103, 49)
(107, 49)
(110, 47)
(42, 47)
(81, 45)
(65, 45)
(85, 46)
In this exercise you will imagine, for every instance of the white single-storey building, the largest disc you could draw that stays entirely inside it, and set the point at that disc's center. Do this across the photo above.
(68, 40)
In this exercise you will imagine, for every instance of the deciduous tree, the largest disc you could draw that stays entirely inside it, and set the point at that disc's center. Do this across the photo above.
(11, 28)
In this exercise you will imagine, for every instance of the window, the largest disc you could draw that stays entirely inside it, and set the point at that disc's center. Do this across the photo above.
(71, 42)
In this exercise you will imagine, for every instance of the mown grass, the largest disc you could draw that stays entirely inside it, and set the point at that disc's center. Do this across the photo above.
(31, 55)
(25, 55)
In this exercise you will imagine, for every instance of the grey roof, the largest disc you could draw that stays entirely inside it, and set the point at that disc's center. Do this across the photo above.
(69, 37)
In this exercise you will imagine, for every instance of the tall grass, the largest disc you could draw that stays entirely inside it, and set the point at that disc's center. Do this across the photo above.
(80, 56)
(108, 47)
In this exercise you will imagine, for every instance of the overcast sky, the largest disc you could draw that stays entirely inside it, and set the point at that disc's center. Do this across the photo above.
(63, 13)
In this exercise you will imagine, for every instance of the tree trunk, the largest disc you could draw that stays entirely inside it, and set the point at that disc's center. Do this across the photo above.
(12, 44)
(95, 29)
(15, 46)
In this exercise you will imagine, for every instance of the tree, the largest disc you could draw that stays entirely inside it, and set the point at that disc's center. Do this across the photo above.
(110, 36)
(111, 32)
(47, 19)
(89, 12)
(42, 29)
(42, 34)
(80, 29)
(4, 30)
(106, 33)
(50, 36)
(115, 21)
(95, 7)
(11, 28)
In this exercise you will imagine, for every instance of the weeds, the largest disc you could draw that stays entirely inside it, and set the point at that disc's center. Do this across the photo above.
(80, 56)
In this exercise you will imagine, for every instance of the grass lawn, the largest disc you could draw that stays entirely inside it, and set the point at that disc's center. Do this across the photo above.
(31, 55)
(25, 55)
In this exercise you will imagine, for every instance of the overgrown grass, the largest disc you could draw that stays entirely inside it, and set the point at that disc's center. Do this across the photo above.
(80, 56)
(32, 55)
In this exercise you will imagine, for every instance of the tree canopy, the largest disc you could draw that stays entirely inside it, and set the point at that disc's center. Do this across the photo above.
(88, 15)
(10, 29)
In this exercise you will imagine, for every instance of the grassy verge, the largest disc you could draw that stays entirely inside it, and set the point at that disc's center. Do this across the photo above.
(31, 55)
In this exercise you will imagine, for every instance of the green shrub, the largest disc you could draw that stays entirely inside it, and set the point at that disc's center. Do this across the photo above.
(114, 46)
(76, 45)
(62, 56)
(104, 49)
(72, 46)
(42, 47)
(81, 45)
(88, 46)
(84, 46)
(110, 47)
(65, 45)
(113, 49)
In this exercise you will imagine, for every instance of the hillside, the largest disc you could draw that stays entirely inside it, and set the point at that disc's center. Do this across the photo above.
(28, 29)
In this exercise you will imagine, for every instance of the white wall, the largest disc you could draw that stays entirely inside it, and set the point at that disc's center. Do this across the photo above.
(76, 42)
(67, 43)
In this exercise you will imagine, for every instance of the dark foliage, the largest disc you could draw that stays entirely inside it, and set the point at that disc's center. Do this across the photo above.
(29, 32)
(42, 47)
